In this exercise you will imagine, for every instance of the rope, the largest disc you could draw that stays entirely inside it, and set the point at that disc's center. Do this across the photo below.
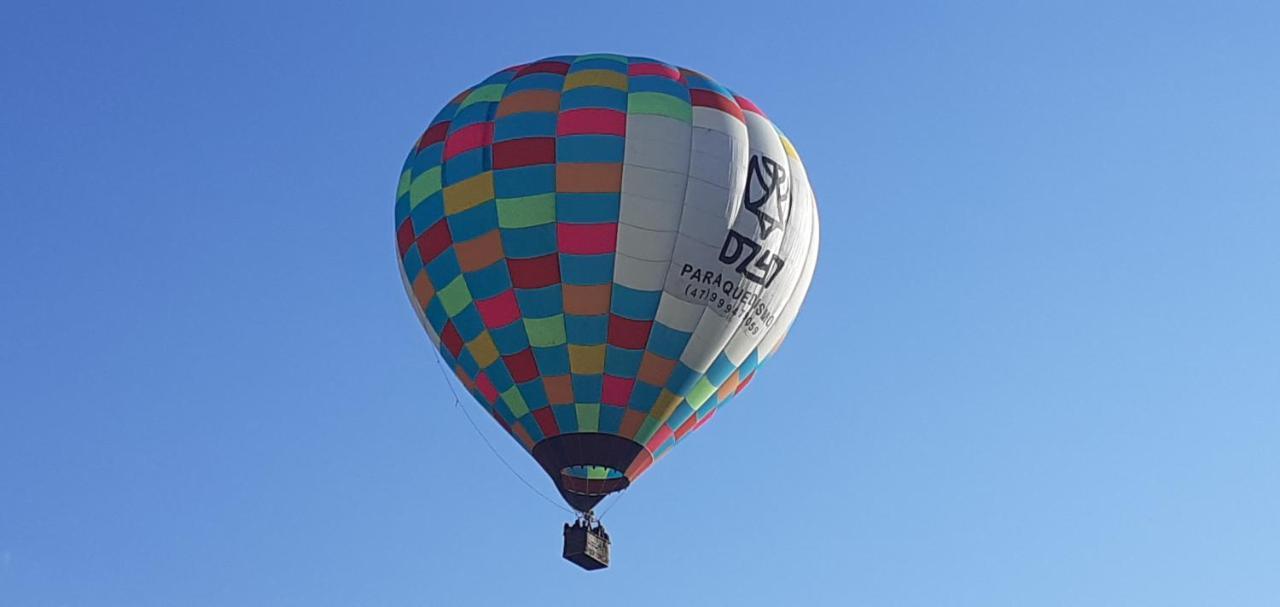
(615, 503)
(457, 402)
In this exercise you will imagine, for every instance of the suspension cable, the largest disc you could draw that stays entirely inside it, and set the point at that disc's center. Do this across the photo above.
(457, 403)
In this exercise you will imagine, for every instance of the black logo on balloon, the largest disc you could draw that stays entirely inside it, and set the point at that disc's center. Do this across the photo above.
(754, 262)
(767, 180)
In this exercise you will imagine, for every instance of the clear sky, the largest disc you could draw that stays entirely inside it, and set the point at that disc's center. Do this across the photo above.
(1039, 364)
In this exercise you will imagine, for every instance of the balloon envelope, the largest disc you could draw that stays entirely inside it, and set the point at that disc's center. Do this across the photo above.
(604, 249)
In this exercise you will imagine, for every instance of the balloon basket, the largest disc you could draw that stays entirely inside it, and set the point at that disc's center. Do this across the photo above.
(586, 544)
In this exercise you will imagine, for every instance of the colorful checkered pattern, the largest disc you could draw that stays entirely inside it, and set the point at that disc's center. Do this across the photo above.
(508, 230)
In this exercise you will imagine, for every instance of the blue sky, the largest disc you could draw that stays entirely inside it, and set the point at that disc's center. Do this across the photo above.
(1039, 364)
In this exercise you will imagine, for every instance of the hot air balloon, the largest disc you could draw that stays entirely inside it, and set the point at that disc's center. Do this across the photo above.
(604, 249)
